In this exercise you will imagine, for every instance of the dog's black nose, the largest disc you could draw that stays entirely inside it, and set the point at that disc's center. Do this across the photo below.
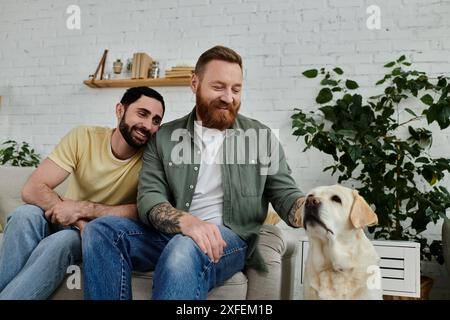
(312, 201)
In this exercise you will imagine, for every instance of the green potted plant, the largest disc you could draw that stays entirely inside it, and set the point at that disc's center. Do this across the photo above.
(385, 158)
(18, 155)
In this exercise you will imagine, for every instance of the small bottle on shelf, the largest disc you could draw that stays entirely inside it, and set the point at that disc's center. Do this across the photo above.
(155, 70)
(117, 66)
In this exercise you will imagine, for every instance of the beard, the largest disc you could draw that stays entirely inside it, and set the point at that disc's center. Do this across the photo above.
(127, 133)
(216, 113)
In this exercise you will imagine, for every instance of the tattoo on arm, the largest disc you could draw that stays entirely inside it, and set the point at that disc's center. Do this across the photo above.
(296, 206)
(165, 218)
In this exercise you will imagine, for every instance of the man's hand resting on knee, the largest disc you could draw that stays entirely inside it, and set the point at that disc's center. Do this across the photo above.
(206, 235)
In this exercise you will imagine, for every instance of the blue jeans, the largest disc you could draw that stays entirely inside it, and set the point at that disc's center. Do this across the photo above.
(113, 247)
(35, 254)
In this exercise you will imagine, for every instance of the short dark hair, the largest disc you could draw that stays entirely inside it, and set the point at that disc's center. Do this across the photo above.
(133, 94)
(217, 53)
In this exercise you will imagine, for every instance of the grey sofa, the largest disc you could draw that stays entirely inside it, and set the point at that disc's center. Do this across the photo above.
(278, 246)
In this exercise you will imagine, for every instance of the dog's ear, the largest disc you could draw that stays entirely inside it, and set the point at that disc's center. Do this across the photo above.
(361, 214)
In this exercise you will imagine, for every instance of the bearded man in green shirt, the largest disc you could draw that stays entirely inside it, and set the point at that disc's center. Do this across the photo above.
(203, 194)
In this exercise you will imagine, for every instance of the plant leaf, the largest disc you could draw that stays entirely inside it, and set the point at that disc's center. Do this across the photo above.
(396, 71)
(389, 64)
(354, 153)
(328, 82)
(427, 99)
(401, 58)
(350, 84)
(347, 133)
(410, 112)
(422, 160)
(339, 71)
(312, 73)
(325, 95)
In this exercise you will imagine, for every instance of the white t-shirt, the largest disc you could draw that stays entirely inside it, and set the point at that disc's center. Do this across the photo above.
(207, 203)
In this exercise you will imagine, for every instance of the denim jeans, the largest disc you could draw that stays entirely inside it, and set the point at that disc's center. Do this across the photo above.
(35, 255)
(113, 247)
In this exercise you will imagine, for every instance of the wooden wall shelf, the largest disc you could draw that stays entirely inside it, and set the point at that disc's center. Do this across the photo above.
(119, 83)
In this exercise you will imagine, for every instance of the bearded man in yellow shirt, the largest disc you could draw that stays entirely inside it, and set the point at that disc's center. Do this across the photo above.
(42, 237)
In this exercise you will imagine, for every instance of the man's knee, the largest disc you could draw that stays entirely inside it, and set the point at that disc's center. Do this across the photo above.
(70, 237)
(65, 242)
(97, 227)
(182, 254)
(27, 215)
(105, 228)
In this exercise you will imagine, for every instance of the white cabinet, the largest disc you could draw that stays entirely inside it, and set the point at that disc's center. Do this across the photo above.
(400, 267)
(399, 264)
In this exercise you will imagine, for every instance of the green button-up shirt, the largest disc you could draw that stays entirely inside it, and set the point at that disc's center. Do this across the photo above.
(251, 178)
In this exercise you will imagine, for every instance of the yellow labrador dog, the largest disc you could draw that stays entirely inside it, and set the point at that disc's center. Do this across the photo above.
(342, 262)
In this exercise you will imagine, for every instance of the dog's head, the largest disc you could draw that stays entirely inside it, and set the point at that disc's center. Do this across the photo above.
(334, 210)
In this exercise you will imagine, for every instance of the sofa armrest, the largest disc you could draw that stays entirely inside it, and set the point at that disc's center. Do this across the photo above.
(279, 249)
(13, 179)
(290, 263)
(446, 243)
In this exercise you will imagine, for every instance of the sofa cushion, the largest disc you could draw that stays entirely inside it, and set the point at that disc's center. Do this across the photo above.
(234, 288)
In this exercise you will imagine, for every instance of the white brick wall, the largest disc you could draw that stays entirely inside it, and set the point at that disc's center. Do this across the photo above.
(42, 63)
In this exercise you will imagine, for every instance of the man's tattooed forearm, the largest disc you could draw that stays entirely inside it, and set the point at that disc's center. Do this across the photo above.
(294, 219)
(165, 218)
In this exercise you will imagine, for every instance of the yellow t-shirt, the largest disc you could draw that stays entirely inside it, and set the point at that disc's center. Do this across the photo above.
(96, 174)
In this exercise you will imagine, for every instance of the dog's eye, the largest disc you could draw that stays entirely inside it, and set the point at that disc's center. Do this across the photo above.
(336, 199)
